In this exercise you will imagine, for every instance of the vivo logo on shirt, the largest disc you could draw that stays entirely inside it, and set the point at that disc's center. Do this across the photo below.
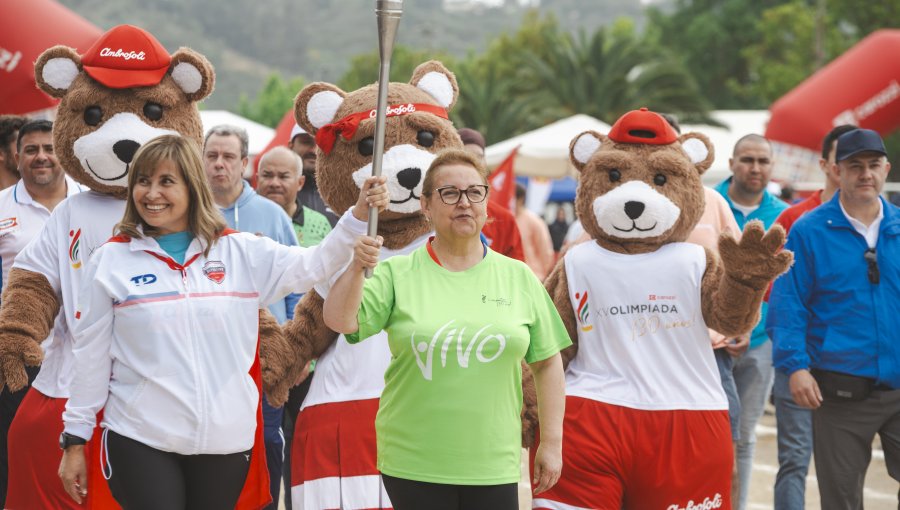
(143, 279)
(480, 344)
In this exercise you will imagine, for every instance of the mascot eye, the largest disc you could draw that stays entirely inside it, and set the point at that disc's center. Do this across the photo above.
(614, 175)
(425, 138)
(93, 115)
(366, 146)
(153, 111)
(659, 179)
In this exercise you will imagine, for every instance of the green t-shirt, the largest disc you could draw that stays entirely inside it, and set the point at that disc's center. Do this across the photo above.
(450, 410)
(315, 227)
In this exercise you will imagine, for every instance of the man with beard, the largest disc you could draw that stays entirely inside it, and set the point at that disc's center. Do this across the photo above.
(24, 208)
(745, 191)
(9, 131)
(304, 145)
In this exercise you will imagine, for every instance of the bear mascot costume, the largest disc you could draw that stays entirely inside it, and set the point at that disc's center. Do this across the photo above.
(646, 423)
(125, 90)
(333, 453)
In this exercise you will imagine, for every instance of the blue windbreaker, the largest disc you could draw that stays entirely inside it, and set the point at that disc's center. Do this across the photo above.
(824, 313)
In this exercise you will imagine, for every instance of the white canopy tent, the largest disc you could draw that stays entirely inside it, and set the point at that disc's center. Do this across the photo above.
(544, 152)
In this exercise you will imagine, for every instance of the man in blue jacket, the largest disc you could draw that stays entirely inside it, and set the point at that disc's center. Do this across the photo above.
(745, 191)
(835, 319)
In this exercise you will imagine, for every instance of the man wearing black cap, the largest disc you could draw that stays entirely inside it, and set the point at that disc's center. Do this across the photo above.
(835, 321)
(304, 145)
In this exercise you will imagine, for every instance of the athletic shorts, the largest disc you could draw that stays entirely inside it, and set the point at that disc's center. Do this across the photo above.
(333, 458)
(34, 457)
(621, 458)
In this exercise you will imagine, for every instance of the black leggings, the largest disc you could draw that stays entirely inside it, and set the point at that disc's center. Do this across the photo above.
(147, 478)
(412, 495)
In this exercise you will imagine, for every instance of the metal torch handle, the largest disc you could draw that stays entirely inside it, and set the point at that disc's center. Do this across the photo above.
(387, 14)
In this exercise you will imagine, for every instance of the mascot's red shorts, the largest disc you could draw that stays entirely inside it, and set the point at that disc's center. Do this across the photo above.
(333, 458)
(34, 457)
(621, 458)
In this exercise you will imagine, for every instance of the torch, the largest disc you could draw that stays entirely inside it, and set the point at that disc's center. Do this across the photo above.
(387, 14)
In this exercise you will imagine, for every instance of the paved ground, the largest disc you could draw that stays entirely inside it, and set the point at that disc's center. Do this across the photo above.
(880, 491)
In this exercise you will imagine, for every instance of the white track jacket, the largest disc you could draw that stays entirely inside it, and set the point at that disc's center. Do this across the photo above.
(166, 349)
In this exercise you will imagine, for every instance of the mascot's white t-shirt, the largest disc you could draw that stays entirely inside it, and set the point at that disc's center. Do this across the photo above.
(353, 372)
(642, 340)
(78, 226)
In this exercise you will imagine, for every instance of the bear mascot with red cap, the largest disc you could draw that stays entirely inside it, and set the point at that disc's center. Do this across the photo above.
(646, 423)
(125, 90)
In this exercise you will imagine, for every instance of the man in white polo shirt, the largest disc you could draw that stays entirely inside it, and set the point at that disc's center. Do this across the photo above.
(24, 208)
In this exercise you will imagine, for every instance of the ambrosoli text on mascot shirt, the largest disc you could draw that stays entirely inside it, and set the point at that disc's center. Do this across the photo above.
(707, 504)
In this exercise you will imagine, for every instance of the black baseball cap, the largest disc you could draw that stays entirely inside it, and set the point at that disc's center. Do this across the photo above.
(853, 142)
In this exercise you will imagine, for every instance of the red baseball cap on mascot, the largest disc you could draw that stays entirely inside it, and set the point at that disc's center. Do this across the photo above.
(642, 126)
(126, 56)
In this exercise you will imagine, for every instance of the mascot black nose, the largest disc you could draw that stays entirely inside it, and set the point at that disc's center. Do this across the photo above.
(125, 150)
(634, 209)
(409, 177)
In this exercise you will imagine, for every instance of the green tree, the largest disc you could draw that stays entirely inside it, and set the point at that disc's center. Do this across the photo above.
(364, 68)
(788, 50)
(270, 105)
(709, 36)
(609, 73)
(864, 18)
(489, 102)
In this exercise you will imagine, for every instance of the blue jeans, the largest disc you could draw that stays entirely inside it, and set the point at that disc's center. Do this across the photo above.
(274, 440)
(725, 364)
(795, 446)
(753, 373)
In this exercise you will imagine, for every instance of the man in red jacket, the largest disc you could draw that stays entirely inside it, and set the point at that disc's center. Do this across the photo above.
(501, 230)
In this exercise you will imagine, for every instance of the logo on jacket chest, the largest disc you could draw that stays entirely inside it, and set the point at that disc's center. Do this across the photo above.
(8, 224)
(214, 270)
(143, 279)
(75, 248)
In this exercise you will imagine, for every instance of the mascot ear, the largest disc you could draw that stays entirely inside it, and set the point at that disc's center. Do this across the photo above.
(56, 69)
(316, 105)
(438, 82)
(583, 147)
(193, 74)
(698, 149)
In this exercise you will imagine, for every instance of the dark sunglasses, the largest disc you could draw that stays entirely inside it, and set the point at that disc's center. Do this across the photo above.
(872, 261)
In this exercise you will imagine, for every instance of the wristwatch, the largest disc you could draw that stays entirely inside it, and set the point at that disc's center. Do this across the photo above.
(66, 440)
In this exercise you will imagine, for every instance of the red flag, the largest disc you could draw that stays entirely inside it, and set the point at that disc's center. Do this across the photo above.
(503, 182)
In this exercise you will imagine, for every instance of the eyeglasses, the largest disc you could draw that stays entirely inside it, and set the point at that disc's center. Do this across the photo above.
(872, 261)
(451, 195)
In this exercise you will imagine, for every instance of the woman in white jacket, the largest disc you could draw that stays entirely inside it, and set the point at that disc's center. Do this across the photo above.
(167, 334)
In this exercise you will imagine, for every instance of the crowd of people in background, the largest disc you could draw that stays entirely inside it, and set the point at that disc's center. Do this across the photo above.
(826, 347)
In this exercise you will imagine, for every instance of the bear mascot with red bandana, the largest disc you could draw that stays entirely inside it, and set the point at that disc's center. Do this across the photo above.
(646, 423)
(333, 454)
(125, 90)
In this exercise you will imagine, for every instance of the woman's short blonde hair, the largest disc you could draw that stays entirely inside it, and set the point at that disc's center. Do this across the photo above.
(452, 157)
(204, 219)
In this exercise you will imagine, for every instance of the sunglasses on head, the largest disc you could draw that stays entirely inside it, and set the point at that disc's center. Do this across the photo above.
(872, 261)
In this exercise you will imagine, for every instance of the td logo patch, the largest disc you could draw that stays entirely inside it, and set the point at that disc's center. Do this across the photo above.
(214, 270)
